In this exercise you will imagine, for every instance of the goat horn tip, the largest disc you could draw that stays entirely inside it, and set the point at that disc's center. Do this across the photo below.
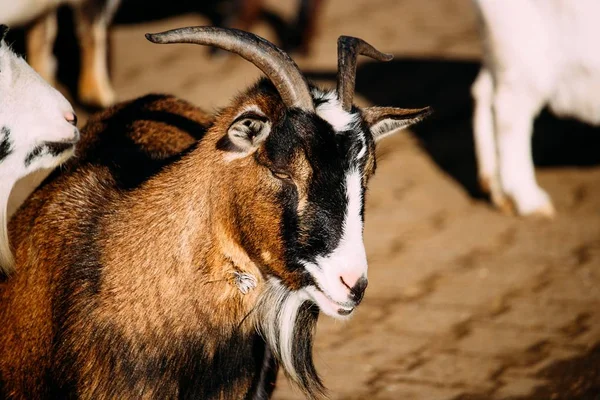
(153, 37)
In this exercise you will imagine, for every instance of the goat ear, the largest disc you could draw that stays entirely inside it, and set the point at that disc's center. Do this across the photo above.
(247, 132)
(383, 121)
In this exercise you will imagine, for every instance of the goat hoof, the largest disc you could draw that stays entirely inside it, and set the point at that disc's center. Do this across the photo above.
(485, 184)
(505, 204)
(536, 203)
(546, 211)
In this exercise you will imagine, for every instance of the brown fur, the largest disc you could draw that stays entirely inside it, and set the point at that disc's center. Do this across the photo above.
(25, 308)
(147, 292)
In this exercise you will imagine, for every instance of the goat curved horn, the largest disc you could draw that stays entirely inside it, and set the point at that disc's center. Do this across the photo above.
(348, 50)
(272, 61)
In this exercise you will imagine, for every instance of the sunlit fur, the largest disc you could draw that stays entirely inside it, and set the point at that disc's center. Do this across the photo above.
(136, 291)
(32, 114)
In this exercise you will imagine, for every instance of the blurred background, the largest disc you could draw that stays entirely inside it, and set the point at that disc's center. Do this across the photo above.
(463, 301)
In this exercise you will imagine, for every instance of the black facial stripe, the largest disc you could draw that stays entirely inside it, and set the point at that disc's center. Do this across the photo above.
(353, 144)
(317, 101)
(56, 149)
(35, 153)
(324, 217)
(53, 149)
(319, 228)
(354, 139)
(5, 144)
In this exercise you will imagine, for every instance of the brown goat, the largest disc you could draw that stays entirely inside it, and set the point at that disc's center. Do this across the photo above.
(183, 255)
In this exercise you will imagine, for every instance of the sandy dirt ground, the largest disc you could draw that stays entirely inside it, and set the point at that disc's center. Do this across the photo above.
(463, 302)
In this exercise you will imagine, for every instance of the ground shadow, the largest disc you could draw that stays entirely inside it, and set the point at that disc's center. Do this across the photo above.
(448, 134)
(575, 378)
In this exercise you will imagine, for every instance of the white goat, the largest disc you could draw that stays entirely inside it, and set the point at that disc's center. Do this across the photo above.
(92, 18)
(36, 132)
(536, 53)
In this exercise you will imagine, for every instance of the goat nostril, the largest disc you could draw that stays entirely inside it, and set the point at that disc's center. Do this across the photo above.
(344, 283)
(71, 118)
(358, 290)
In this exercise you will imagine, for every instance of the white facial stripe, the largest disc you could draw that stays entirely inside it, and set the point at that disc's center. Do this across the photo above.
(363, 151)
(349, 258)
(331, 111)
(353, 226)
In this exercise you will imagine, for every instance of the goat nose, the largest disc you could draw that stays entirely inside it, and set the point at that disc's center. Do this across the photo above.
(71, 118)
(357, 290)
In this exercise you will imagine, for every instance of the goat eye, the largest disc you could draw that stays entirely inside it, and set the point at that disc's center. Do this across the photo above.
(281, 175)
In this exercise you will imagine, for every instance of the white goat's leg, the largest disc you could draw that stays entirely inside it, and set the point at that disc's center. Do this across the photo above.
(514, 111)
(483, 135)
(40, 43)
(94, 83)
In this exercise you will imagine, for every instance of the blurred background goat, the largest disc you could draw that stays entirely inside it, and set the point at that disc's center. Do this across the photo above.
(91, 19)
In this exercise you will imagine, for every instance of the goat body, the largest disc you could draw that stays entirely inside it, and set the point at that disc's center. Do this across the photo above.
(133, 324)
(187, 255)
(536, 53)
